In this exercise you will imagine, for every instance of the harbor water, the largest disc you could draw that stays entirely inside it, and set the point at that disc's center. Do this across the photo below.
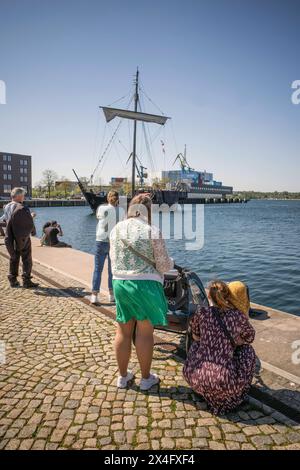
(258, 243)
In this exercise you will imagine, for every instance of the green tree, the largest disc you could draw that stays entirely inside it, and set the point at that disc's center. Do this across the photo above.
(49, 178)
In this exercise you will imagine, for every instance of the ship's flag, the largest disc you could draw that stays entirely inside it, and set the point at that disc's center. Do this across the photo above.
(163, 146)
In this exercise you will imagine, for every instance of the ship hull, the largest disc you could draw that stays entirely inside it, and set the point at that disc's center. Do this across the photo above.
(167, 197)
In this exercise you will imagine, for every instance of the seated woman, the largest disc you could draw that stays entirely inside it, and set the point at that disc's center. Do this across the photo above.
(220, 364)
(43, 238)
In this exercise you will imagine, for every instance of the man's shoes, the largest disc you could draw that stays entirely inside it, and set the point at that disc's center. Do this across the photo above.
(94, 299)
(14, 283)
(28, 284)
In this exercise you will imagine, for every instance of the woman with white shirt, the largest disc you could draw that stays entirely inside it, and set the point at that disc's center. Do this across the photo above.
(107, 219)
(139, 258)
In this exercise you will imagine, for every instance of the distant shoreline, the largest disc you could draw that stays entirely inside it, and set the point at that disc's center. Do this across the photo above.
(268, 196)
(274, 199)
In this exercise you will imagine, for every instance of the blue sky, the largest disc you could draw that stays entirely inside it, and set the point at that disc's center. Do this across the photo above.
(222, 69)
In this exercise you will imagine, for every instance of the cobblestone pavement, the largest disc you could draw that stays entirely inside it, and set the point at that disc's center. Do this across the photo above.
(57, 388)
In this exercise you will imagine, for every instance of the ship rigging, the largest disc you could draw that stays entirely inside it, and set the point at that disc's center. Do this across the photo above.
(136, 115)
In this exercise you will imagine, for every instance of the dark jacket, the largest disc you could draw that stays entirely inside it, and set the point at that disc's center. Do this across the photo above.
(19, 228)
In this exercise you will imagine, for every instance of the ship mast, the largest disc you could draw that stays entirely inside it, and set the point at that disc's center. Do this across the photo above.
(135, 115)
(136, 101)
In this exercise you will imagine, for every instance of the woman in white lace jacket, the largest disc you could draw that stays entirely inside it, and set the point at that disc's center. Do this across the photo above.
(139, 258)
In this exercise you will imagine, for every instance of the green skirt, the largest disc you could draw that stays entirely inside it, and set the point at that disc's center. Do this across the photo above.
(141, 300)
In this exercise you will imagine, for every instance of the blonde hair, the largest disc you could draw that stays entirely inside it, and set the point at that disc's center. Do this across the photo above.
(220, 294)
(113, 198)
(139, 205)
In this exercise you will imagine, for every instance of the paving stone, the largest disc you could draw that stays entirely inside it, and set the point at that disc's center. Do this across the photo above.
(167, 443)
(248, 447)
(202, 432)
(27, 431)
(13, 444)
(90, 443)
(165, 423)
(214, 445)
(293, 447)
(198, 443)
(293, 437)
(183, 444)
(119, 437)
(251, 430)
(230, 428)
(156, 433)
(174, 432)
(130, 422)
(26, 444)
(155, 445)
(39, 444)
(232, 445)
(279, 438)
(12, 432)
(215, 433)
(266, 429)
(238, 437)
(261, 440)
(103, 431)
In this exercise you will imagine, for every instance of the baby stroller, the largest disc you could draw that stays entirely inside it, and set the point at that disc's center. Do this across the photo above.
(184, 291)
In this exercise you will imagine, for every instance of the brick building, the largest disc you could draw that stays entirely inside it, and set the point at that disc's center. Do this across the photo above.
(15, 170)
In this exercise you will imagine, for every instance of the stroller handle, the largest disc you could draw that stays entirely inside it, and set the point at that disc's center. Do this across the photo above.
(179, 268)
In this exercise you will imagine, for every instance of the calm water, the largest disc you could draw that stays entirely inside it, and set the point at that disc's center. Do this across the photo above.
(258, 243)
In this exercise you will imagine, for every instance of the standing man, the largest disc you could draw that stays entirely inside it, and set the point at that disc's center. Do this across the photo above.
(20, 226)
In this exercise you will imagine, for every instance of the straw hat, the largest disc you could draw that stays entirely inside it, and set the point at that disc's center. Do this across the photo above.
(239, 296)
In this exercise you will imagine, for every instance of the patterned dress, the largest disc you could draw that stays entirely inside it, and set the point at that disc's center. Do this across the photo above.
(214, 369)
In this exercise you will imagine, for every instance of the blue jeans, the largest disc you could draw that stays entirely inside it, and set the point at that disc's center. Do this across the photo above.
(102, 251)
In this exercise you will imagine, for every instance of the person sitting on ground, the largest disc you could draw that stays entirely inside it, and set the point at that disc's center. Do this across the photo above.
(139, 258)
(51, 236)
(221, 361)
(108, 215)
(19, 228)
(43, 238)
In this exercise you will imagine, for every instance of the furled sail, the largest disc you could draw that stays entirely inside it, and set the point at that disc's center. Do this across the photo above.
(111, 113)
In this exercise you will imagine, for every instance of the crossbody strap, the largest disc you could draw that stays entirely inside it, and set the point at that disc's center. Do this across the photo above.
(137, 253)
(224, 328)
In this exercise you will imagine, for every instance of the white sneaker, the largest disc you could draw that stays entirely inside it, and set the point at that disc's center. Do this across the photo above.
(145, 384)
(111, 298)
(94, 299)
(122, 382)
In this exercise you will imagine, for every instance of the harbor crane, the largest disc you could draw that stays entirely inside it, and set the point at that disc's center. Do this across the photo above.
(140, 170)
(183, 161)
